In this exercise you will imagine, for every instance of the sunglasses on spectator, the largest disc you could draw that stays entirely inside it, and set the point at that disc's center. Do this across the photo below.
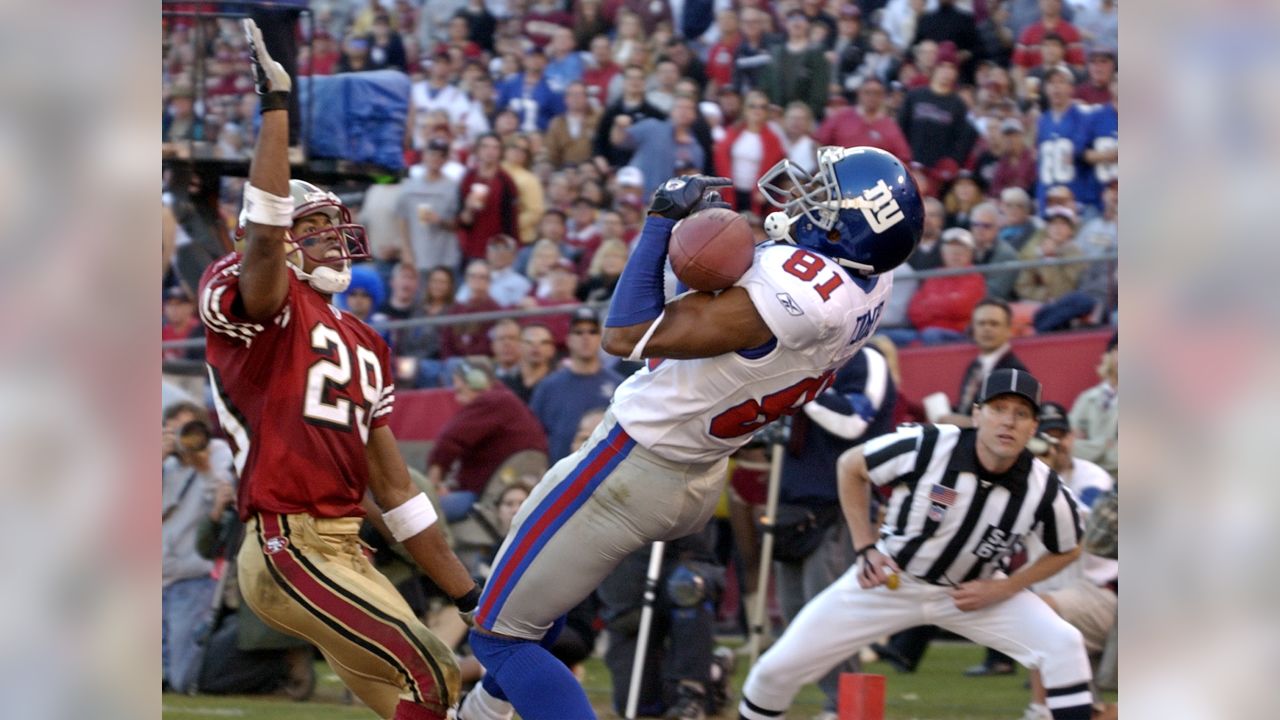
(757, 106)
(982, 224)
(586, 331)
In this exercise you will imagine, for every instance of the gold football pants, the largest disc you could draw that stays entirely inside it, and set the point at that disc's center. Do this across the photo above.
(309, 577)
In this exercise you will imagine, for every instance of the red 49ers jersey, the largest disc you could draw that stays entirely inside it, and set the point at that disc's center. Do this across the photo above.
(296, 395)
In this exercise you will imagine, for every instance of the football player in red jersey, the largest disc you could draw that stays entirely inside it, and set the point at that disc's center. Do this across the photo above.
(304, 392)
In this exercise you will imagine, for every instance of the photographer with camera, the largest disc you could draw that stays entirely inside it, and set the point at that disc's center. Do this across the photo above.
(196, 478)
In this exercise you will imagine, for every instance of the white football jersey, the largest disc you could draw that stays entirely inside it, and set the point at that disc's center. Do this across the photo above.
(703, 409)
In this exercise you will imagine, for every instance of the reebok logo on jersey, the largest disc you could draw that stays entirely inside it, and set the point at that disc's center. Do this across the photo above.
(789, 304)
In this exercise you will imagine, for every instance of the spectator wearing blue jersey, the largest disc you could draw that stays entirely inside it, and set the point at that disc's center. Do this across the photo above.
(583, 385)
(857, 407)
(1102, 141)
(565, 64)
(529, 95)
(1061, 141)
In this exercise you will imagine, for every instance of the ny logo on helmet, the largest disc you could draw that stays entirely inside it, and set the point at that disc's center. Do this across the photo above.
(881, 210)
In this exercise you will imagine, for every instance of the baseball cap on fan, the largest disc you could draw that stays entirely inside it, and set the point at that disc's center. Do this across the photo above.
(585, 315)
(1007, 381)
(1053, 417)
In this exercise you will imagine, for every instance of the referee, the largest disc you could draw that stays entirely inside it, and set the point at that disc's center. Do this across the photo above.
(961, 499)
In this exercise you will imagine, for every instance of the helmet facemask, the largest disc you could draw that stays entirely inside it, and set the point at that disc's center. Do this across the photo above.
(329, 246)
(331, 260)
(817, 198)
(836, 214)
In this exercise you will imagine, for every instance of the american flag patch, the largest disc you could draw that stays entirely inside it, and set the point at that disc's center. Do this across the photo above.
(942, 495)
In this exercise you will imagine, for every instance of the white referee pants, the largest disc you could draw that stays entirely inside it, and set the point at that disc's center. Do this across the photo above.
(844, 618)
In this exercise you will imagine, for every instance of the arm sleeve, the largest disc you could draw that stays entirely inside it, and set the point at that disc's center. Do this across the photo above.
(219, 311)
(380, 414)
(893, 456)
(1059, 524)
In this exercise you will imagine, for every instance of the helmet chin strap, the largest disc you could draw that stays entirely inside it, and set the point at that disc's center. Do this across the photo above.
(777, 226)
(329, 280)
(326, 279)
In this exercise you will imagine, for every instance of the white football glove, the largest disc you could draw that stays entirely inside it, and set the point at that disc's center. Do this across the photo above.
(269, 76)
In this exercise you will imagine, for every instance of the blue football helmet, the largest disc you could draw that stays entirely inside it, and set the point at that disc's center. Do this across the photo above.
(862, 208)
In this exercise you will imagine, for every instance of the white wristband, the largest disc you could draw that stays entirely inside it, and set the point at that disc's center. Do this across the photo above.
(410, 518)
(263, 208)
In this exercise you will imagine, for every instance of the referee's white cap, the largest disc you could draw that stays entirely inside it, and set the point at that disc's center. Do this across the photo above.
(1008, 381)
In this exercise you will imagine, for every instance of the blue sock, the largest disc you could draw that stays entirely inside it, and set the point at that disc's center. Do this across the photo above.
(639, 295)
(538, 685)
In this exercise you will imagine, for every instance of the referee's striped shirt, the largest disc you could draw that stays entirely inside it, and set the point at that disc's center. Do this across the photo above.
(949, 520)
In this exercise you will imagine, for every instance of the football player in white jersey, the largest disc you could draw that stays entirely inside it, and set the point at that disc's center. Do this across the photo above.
(720, 366)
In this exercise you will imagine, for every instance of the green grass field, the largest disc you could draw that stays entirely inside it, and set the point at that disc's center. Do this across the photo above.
(937, 691)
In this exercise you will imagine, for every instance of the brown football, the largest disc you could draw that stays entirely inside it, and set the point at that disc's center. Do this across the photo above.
(711, 249)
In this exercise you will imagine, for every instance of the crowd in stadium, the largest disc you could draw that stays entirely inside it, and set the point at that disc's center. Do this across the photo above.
(536, 133)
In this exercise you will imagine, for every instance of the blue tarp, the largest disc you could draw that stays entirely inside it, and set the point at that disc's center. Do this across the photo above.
(357, 116)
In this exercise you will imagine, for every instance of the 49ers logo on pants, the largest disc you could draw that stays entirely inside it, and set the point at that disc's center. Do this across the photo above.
(275, 545)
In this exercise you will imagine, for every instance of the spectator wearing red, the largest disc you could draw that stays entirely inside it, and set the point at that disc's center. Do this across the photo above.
(582, 235)
(941, 307)
(491, 425)
(748, 149)
(1027, 52)
(867, 123)
(471, 338)
(180, 323)
(542, 19)
(1017, 164)
(325, 54)
(720, 57)
(1096, 90)
(488, 200)
(600, 71)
